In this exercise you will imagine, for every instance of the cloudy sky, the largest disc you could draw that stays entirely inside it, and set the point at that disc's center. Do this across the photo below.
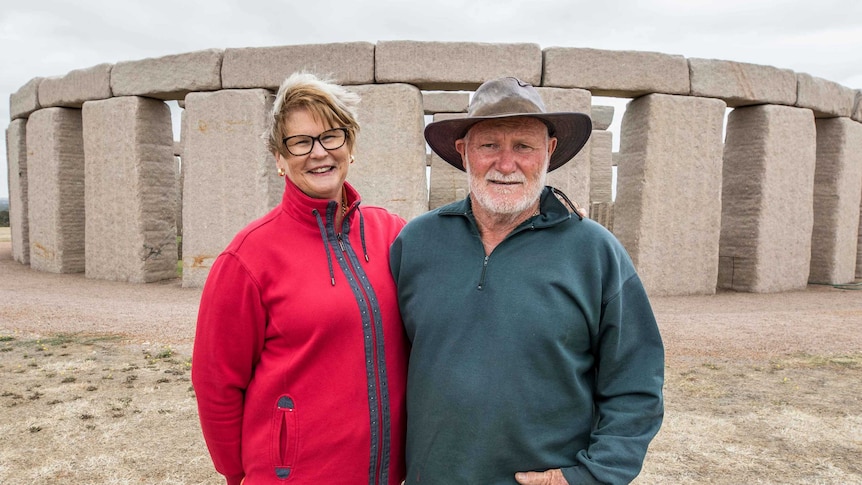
(42, 38)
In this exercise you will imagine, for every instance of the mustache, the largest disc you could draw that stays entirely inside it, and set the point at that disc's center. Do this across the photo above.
(503, 178)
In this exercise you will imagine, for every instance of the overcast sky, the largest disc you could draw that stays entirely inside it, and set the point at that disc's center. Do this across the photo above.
(42, 38)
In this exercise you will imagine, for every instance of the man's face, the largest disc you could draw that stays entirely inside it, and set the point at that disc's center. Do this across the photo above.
(507, 163)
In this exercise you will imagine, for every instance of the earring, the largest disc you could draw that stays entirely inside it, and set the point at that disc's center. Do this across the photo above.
(352, 159)
(280, 172)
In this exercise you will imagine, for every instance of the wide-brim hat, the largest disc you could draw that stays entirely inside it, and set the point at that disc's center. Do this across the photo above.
(509, 97)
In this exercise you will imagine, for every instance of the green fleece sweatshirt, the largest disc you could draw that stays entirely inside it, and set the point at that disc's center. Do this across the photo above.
(545, 354)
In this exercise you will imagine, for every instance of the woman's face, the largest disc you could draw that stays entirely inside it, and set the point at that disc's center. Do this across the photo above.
(320, 173)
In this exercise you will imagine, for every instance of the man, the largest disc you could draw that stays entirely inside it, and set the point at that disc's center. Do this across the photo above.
(535, 357)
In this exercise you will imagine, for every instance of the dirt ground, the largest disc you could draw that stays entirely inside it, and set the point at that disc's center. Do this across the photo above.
(94, 385)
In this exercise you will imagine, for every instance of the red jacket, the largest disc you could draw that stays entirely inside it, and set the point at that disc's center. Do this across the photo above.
(299, 362)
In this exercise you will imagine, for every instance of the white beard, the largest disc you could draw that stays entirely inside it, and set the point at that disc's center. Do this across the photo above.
(497, 203)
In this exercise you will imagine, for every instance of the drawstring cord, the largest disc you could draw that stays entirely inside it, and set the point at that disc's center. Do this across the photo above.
(322, 228)
(325, 244)
(571, 205)
(362, 233)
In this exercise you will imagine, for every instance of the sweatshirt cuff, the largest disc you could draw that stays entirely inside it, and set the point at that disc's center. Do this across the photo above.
(578, 475)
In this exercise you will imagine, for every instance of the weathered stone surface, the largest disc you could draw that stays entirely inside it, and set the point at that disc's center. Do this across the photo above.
(230, 177)
(857, 107)
(601, 166)
(268, 67)
(602, 117)
(445, 102)
(668, 205)
(622, 74)
(168, 77)
(837, 194)
(455, 66)
(55, 179)
(859, 248)
(573, 178)
(390, 152)
(767, 199)
(448, 184)
(76, 87)
(826, 98)
(25, 100)
(130, 190)
(19, 220)
(741, 84)
(603, 213)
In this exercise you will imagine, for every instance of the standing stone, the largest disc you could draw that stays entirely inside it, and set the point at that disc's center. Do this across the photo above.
(130, 190)
(19, 219)
(55, 188)
(601, 166)
(767, 199)
(448, 184)
(229, 176)
(390, 151)
(837, 194)
(603, 213)
(573, 178)
(668, 205)
(178, 206)
(859, 248)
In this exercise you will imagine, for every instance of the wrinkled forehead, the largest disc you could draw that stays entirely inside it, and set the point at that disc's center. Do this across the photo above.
(525, 125)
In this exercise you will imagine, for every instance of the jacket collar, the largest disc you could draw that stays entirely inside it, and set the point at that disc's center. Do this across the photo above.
(553, 211)
(301, 207)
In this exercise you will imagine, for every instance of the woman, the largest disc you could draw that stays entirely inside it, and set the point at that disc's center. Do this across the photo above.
(299, 360)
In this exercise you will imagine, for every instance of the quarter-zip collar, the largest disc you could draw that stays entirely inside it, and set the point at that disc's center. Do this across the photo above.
(300, 206)
(321, 212)
(552, 211)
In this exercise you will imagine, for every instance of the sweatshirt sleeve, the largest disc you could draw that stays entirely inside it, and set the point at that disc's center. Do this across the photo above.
(228, 341)
(629, 379)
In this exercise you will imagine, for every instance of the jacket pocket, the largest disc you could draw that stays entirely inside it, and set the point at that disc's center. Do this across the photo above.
(284, 437)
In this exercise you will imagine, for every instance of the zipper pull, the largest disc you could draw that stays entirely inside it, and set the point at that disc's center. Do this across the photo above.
(340, 242)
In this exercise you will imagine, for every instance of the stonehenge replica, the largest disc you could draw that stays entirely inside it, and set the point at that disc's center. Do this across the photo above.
(728, 175)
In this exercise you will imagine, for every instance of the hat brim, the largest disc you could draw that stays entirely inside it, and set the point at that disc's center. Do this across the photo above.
(572, 130)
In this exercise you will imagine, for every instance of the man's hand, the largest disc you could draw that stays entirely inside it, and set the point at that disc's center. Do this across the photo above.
(549, 477)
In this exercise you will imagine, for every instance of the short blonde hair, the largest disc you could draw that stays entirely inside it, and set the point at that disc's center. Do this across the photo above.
(326, 101)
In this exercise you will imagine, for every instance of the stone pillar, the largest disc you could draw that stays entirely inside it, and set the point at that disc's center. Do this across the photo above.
(229, 176)
(573, 178)
(390, 151)
(767, 199)
(55, 188)
(19, 219)
(130, 190)
(601, 166)
(448, 184)
(837, 194)
(668, 205)
(859, 248)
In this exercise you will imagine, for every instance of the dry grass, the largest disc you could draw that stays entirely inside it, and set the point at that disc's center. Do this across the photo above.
(793, 420)
(5, 234)
(93, 409)
(77, 408)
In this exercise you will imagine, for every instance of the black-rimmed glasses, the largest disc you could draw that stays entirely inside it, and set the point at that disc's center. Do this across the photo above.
(299, 145)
